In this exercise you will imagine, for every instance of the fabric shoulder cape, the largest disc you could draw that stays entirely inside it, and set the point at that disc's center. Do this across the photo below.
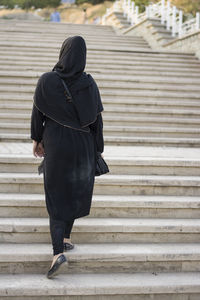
(50, 99)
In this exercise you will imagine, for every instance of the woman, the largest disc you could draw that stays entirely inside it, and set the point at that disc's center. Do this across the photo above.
(68, 132)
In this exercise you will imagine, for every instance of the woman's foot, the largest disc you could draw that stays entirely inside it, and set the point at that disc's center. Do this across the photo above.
(54, 258)
(67, 244)
(58, 260)
(66, 240)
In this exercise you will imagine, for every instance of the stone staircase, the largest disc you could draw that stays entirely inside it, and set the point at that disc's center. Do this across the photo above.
(141, 240)
(161, 34)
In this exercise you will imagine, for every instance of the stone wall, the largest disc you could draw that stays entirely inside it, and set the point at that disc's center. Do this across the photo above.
(141, 29)
(186, 44)
(189, 43)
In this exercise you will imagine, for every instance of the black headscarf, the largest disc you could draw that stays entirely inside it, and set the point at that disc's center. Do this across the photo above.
(72, 58)
(50, 97)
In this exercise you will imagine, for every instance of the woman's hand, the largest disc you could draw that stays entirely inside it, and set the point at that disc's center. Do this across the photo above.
(38, 149)
(102, 155)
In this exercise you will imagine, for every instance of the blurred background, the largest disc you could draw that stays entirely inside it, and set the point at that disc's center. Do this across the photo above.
(75, 11)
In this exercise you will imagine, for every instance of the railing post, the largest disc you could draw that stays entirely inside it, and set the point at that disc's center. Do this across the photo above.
(147, 12)
(132, 12)
(197, 21)
(129, 10)
(174, 21)
(124, 8)
(136, 14)
(180, 23)
(163, 12)
(168, 15)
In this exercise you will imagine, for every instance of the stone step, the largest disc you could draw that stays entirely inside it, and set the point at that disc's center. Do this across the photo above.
(30, 25)
(122, 83)
(115, 106)
(164, 37)
(117, 91)
(89, 41)
(121, 56)
(25, 102)
(103, 230)
(103, 63)
(55, 32)
(31, 78)
(112, 69)
(49, 46)
(120, 140)
(142, 111)
(137, 286)
(147, 52)
(59, 36)
(102, 258)
(132, 165)
(128, 111)
(111, 184)
(107, 206)
(161, 30)
(119, 120)
(160, 34)
(133, 55)
(119, 131)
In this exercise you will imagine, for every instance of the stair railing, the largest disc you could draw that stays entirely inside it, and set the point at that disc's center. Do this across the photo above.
(115, 8)
(168, 14)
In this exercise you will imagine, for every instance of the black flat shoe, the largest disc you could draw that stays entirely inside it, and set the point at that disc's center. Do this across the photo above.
(59, 261)
(68, 246)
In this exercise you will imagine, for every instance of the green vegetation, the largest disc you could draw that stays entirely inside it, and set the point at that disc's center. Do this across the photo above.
(188, 6)
(26, 4)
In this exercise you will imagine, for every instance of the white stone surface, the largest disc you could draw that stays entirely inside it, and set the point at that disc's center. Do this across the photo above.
(100, 284)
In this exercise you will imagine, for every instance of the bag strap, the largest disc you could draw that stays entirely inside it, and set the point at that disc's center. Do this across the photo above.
(67, 92)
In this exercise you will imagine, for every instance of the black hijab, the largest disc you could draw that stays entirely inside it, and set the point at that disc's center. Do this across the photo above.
(50, 97)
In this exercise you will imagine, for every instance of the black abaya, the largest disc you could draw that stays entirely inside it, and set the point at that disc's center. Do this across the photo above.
(69, 165)
(71, 132)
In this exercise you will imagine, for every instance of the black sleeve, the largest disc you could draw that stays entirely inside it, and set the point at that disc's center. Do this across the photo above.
(37, 127)
(97, 128)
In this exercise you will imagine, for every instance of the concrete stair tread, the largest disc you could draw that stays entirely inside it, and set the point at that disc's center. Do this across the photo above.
(161, 31)
(104, 225)
(115, 151)
(103, 252)
(22, 77)
(99, 284)
(20, 148)
(116, 128)
(118, 139)
(90, 46)
(40, 55)
(134, 159)
(112, 118)
(102, 64)
(123, 92)
(152, 110)
(179, 71)
(145, 119)
(24, 104)
(93, 47)
(138, 201)
(114, 179)
(149, 110)
(155, 54)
